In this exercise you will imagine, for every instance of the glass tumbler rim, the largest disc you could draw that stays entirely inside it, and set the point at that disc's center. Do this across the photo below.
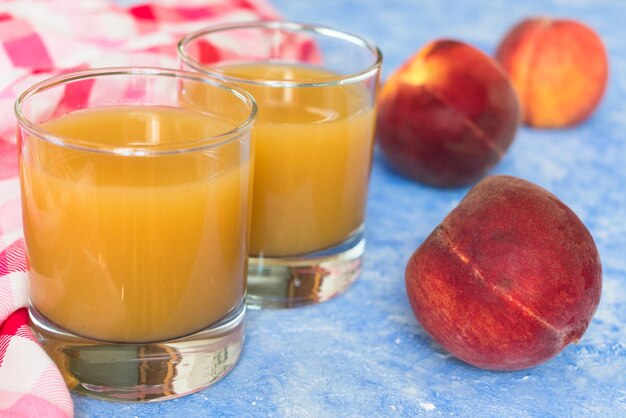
(322, 30)
(213, 141)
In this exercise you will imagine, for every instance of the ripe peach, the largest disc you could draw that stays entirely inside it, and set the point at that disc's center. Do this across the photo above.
(508, 279)
(558, 67)
(447, 115)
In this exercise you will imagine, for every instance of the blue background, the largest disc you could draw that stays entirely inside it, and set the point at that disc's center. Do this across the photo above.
(364, 354)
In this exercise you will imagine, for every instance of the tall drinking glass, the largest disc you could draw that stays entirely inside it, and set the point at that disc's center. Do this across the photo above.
(135, 208)
(316, 91)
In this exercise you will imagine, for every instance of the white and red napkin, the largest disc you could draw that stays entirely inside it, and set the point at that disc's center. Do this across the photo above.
(39, 39)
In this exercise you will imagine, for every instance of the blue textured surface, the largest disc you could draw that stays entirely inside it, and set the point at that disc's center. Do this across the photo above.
(364, 354)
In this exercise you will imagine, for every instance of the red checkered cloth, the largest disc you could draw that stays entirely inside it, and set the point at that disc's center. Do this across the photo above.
(39, 39)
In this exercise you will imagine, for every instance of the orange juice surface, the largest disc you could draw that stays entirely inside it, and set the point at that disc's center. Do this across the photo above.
(312, 159)
(135, 248)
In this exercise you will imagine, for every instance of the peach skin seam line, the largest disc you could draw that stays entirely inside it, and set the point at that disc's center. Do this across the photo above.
(561, 334)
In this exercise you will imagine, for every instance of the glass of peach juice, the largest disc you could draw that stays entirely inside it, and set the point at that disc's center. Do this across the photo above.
(135, 205)
(316, 92)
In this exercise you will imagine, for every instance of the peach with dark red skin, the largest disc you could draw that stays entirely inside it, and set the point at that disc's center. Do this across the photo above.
(558, 67)
(508, 279)
(447, 115)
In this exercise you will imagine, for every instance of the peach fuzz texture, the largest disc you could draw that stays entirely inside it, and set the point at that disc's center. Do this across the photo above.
(508, 279)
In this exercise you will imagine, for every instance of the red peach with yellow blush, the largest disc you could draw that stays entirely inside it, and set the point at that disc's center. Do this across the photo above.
(559, 69)
(448, 115)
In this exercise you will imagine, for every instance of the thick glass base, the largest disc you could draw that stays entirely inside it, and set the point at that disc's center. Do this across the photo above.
(143, 372)
(306, 279)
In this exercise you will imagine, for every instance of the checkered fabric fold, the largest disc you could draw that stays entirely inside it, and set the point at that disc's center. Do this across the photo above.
(39, 39)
